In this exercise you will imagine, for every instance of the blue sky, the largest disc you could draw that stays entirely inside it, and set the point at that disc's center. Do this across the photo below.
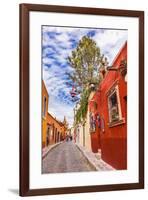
(57, 45)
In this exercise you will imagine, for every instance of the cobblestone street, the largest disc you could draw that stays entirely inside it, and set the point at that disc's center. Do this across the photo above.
(65, 157)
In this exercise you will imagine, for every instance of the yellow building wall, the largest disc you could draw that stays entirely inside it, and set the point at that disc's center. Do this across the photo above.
(44, 118)
(58, 128)
(84, 138)
(87, 127)
(44, 130)
(87, 133)
(81, 137)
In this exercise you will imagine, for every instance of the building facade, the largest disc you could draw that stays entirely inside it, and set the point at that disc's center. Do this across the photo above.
(53, 130)
(45, 99)
(104, 130)
(108, 113)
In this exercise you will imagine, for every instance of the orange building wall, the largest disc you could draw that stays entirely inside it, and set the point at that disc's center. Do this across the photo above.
(44, 118)
(57, 129)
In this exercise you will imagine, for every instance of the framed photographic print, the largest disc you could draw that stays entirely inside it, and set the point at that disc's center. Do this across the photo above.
(81, 99)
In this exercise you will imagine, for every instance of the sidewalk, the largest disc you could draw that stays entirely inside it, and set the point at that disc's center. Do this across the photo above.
(95, 159)
(47, 149)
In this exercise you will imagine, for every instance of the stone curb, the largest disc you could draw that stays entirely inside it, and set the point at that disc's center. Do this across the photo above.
(87, 158)
(51, 148)
(94, 162)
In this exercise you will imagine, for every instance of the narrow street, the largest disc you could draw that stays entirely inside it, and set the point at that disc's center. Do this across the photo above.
(66, 157)
(84, 100)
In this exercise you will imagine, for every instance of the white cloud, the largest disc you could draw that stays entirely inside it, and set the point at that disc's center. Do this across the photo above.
(111, 41)
(55, 53)
(59, 110)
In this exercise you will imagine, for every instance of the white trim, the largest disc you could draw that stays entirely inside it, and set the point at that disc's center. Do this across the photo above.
(113, 90)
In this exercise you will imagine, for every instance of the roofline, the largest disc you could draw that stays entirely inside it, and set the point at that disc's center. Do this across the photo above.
(59, 122)
(45, 86)
(119, 52)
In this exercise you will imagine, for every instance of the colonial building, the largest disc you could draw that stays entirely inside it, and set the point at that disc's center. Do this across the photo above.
(53, 130)
(56, 130)
(45, 98)
(108, 113)
(104, 130)
(81, 130)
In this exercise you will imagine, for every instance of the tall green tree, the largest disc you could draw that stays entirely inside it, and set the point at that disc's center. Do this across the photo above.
(85, 61)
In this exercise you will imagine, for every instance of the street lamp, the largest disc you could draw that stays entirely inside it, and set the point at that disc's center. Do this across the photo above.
(123, 65)
(112, 68)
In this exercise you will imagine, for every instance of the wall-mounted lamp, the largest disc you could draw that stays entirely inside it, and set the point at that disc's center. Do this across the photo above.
(112, 68)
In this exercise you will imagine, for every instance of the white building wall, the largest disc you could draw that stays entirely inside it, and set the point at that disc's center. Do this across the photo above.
(87, 133)
(81, 134)
(81, 139)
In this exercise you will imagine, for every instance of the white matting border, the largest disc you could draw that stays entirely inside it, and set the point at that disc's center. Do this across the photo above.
(37, 180)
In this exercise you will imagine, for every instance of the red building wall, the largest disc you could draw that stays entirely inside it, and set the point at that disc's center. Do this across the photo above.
(113, 139)
(95, 135)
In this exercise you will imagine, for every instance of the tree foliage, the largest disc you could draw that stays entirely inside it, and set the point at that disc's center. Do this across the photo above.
(85, 61)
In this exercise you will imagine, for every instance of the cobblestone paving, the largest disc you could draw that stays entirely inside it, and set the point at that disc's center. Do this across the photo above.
(66, 157)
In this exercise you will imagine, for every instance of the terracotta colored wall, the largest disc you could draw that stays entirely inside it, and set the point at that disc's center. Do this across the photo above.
(113, 141)
(94, 142)
(57, 127)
